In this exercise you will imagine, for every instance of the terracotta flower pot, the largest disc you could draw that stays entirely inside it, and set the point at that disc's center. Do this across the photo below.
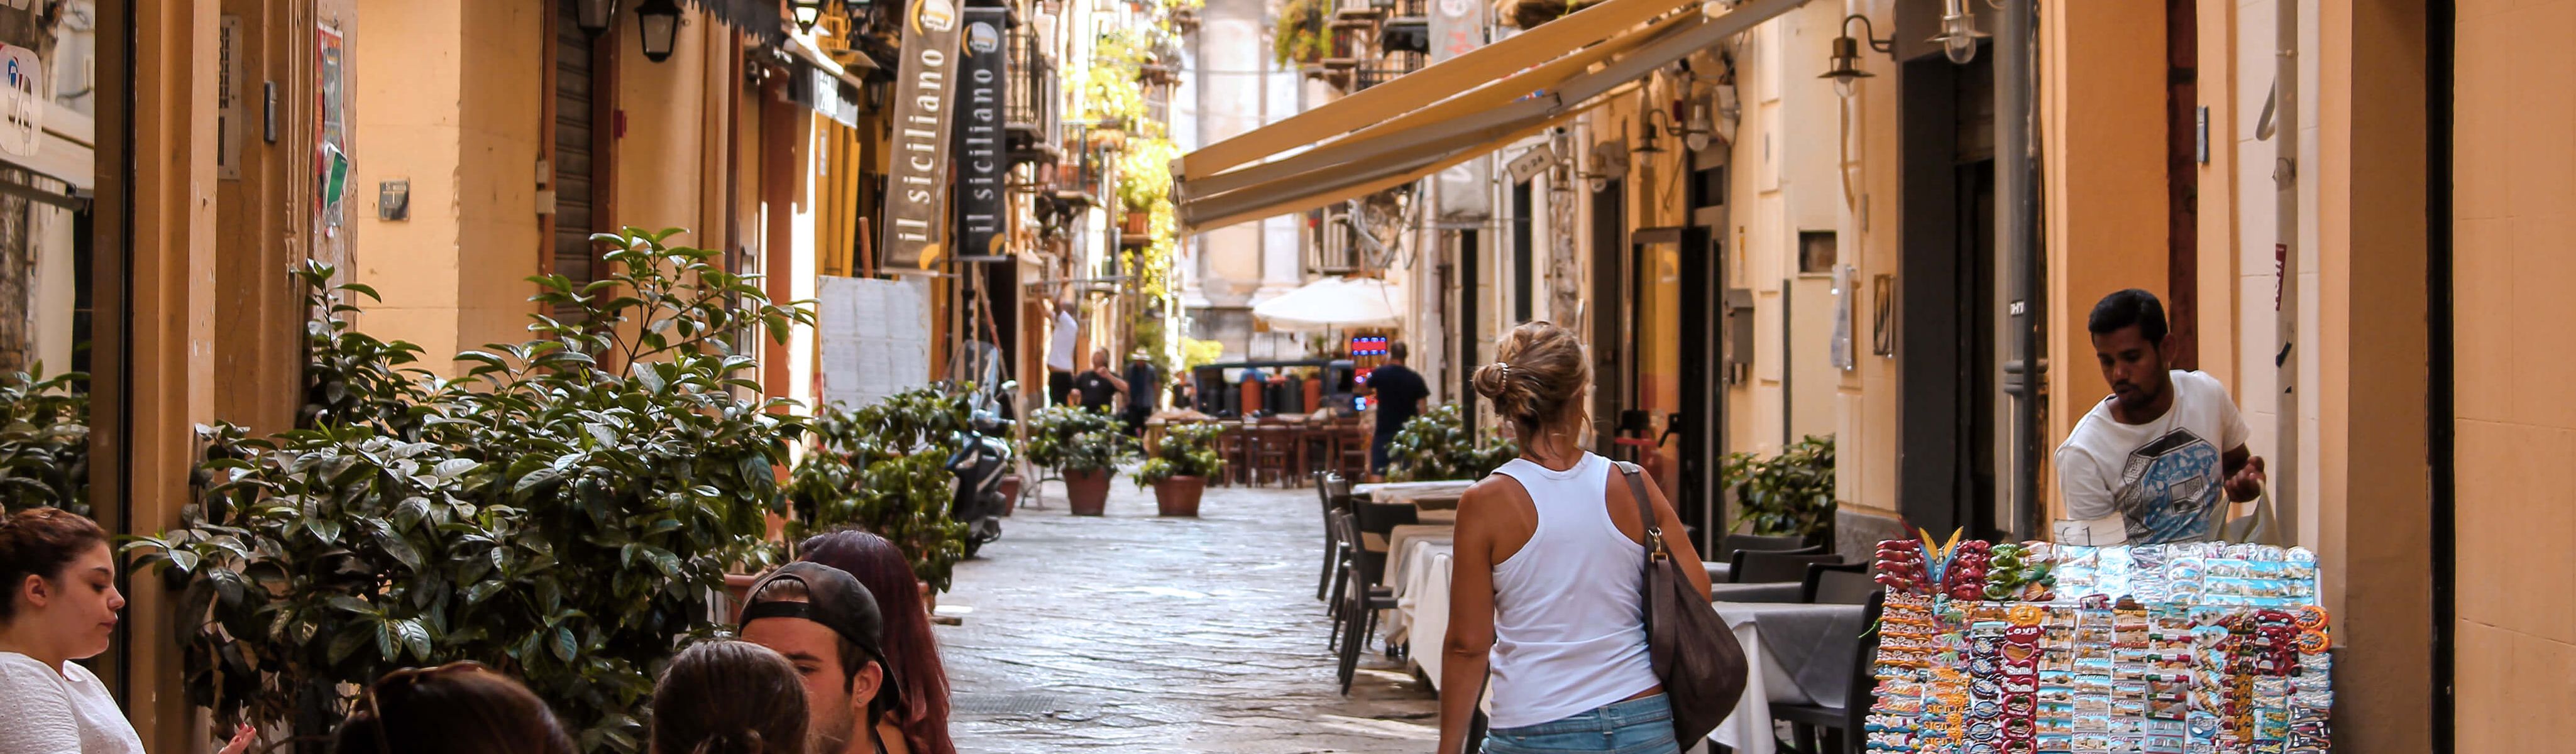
(1179, 496)
(1010, 489)
(1088, 490)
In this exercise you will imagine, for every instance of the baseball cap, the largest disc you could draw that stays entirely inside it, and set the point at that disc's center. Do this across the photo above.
(837, 600)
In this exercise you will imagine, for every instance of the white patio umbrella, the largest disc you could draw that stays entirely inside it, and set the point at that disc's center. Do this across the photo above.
(1331, 303)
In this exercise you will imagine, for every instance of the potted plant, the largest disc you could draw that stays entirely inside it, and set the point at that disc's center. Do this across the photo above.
(1437, 445)
(1788, 493)
(1085, 446)
(1179, 468)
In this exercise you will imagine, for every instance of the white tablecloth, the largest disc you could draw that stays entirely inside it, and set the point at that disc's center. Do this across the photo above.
(1749, 731)
(1422, 604)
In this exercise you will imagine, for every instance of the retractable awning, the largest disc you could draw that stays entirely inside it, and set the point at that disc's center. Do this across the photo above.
(1448, 113)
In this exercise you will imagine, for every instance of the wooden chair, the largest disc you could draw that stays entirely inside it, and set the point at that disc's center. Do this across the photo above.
(1230, 447)
(1273, 452)
(1842, 721)
(1351, 450)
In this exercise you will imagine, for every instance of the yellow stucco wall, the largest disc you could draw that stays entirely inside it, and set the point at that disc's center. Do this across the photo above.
(2514, 197)
(452, 108)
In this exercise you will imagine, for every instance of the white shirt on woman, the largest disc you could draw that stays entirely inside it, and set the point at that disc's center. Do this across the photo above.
(1569, 629)
(65, 711)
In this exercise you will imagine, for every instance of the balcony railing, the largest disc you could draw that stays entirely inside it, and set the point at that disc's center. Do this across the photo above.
(1405, 8)
(1029, 114)
(1329, 249)
(1386, 69)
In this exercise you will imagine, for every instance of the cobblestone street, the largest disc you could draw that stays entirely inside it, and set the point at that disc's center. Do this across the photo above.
(1136, 633)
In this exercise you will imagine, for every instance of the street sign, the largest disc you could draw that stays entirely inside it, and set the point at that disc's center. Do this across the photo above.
(1529, 164)
(980, 164)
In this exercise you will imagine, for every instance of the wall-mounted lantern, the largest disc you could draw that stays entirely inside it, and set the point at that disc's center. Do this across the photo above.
(658, 22)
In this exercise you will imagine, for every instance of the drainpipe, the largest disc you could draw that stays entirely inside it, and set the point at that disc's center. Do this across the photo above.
(2284, 469)
(2016, 233)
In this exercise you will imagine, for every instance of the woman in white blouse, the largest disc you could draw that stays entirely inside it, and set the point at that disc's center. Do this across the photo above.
(61, 606)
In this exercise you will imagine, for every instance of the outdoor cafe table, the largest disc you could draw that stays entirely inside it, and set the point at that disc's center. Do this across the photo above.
(1423, 604)
(1433, 492)
(1799, 654)
(1785, 591)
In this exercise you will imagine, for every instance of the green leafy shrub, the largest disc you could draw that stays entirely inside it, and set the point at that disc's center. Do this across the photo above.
(1073, 438)
(1297, 36)
(44, 441)
(1437, 445)
(882, 468)
(1186, 450)
(560, 519)
(1789, 493)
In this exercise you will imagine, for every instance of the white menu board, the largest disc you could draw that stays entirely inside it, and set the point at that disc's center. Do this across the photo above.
(875, 338)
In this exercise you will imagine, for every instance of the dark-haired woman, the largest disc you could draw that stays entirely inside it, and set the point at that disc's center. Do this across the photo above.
(459, 708)
(920, 724)
(1548, 574)
(61, 606)
(729, 697)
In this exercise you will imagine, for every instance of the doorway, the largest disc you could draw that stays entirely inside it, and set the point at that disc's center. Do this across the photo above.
(1608, 312)
(1949, 405)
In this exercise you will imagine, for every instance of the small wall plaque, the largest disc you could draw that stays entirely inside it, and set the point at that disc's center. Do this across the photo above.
(393, 200)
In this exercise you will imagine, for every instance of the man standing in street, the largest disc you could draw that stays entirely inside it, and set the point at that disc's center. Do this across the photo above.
(1142, 382)
(1098, 389)
(1400, 393)
(2161, 460)
(1060, 348)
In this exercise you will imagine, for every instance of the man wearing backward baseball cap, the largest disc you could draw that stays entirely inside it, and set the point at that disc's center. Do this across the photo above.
(827, 625)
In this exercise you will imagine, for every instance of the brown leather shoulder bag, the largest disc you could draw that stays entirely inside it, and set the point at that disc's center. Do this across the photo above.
(1695, 655)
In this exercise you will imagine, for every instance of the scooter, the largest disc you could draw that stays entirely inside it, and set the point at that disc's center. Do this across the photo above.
(983, 454)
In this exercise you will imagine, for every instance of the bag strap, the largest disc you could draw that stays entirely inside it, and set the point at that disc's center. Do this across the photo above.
(1654, 543)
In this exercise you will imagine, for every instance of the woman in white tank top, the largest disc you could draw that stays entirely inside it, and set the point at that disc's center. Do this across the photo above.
(1548, 574)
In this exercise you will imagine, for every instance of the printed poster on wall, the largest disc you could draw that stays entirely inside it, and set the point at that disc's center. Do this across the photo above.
(980, 162)
(331, 134)
(917, 182)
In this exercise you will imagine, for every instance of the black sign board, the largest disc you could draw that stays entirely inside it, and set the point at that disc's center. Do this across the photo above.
(981, 163)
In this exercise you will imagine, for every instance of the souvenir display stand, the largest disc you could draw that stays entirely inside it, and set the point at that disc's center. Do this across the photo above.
(2155, 649)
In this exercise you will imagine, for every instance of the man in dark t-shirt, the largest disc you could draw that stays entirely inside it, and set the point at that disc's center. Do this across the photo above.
(1141, 384)
(1098, 389)
(1400, 393)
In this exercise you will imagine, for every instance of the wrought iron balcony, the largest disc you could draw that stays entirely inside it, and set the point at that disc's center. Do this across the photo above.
(1386, 69)
(1029, 116)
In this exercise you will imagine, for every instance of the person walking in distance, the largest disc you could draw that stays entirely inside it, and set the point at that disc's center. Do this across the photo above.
(1061, 347)
(1400, 393)
(729, 697)
(919, 725)
(1548, 576)
(61, 605)
(2163, 459)
(828, 626)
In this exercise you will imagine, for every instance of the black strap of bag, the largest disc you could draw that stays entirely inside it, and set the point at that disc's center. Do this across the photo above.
(1702, 668)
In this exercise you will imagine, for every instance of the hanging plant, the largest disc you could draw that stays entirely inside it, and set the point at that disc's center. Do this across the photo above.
(1299, 35)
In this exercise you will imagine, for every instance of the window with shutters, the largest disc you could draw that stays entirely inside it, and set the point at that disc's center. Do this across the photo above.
(583, 83)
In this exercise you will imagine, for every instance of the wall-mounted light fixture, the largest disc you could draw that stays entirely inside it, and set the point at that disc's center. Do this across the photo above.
(1695, 134)
(658, 24)
(1959, 32)
(594, 16)
(1846, 60)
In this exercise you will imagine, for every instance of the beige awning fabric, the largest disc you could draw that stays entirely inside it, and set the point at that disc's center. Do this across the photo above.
(1451, 112)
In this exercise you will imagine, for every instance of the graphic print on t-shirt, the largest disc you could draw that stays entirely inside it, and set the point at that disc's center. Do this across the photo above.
(2169, 489)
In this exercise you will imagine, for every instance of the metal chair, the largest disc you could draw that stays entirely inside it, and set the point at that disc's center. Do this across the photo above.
(1837, 584)
(1729, 544)
(1774, 566)
(1329, 487)
(1363, 599)
(1841, 720)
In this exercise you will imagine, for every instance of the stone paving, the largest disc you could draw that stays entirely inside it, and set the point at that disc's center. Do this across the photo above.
(1134, 633)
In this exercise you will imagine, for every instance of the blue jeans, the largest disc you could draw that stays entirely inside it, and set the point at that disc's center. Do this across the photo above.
(1639, 726)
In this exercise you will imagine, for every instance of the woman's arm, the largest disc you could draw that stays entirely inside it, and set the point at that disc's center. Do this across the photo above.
(1464, 657)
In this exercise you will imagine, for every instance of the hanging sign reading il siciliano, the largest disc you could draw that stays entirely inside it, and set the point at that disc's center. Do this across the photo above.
(917, 184)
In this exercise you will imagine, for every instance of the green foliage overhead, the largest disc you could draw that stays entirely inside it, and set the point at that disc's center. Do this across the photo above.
(1437, 445)
(561, 512)
(1074, 438)
(1186, 450)
(883, 468)
(44, 441)
(1298, 35)
(1789, 493)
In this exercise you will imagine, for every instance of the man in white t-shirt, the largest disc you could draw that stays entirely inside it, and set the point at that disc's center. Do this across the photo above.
(2163, 459)
(1060, 354)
